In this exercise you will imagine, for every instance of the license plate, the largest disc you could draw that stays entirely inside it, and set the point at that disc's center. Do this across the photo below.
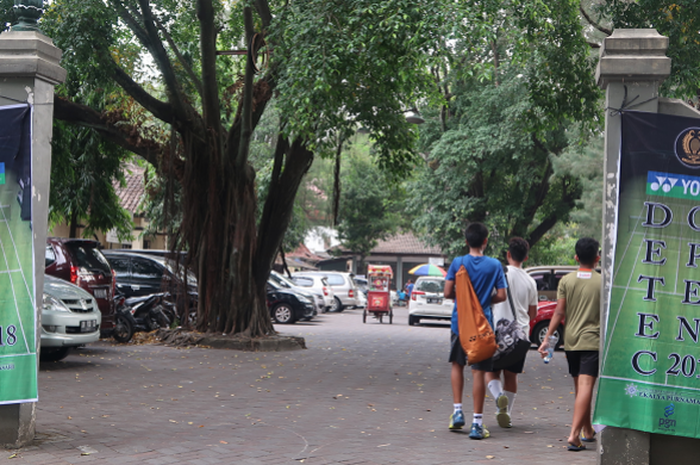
(100, 293)
(434, 300)
(88, 326)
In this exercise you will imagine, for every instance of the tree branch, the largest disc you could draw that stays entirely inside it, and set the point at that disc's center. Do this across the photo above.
(161, 110)
(125, 136)
(210, 97)
(148, 36)
(131, 22)
(602, 29)
(186, 66)
(277, 211)
(262, 93)
(263, 10)
(567, 203)
(247, 104)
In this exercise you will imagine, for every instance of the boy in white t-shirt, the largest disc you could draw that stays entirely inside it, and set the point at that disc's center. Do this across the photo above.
(523, 290)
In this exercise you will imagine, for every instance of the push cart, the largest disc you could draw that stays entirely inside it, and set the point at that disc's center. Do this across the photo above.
(378, 295)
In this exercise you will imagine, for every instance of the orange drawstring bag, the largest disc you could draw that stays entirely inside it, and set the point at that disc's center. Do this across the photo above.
(475, 333)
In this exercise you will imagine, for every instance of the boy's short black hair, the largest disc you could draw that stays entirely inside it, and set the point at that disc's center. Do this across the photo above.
(518, 248)
(587, 250)
(476, 234)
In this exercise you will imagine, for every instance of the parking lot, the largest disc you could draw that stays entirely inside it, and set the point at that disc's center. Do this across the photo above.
(360, 394)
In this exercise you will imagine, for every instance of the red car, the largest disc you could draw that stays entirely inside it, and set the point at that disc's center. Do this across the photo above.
(540, 325)
(80, 262)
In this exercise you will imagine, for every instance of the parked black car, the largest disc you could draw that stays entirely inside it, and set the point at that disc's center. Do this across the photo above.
(139, 275)
(287, 306)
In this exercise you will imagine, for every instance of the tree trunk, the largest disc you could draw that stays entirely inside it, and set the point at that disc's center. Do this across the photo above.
(219, 224)
(73, 224)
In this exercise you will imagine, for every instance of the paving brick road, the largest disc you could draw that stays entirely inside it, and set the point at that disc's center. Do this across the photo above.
(360, 394)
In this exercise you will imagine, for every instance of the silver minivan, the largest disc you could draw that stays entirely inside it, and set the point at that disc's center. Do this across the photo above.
(344, 289)
(318, 284)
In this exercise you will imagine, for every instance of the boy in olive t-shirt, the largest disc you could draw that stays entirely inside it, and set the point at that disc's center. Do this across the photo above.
(578, 300)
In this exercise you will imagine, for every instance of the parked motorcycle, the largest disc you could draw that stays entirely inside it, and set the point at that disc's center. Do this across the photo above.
(143, 313)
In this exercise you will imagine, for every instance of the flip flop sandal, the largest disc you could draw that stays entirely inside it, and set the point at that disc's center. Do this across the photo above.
(585, 439)
(575, 448)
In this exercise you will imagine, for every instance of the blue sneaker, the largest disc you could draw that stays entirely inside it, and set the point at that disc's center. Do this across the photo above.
(478, 432)
(457, 420)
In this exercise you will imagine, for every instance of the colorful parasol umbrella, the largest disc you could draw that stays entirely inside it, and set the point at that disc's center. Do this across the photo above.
(426, 269)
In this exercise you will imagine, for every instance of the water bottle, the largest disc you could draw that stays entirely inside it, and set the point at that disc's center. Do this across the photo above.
(550, 349)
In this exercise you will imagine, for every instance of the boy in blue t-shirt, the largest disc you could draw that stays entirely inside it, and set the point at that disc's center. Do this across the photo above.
(486, 274)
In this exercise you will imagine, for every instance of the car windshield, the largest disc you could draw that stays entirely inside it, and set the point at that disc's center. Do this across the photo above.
(173, 267)
(335, 279)
(303, 281)
(281, 280)
(88, 256)
(431, 285)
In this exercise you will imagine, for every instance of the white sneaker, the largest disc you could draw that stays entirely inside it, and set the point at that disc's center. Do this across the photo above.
(503, 417)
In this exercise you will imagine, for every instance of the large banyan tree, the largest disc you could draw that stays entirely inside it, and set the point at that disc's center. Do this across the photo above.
(184, 84)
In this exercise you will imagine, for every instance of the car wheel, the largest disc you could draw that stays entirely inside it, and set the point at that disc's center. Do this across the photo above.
(413, 320)
(337, 305)
(54, 354)
(540, 332)
(283, 313)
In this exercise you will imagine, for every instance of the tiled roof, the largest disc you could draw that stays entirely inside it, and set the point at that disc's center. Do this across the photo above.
(130, 195)
(304, 253)
(403, 244)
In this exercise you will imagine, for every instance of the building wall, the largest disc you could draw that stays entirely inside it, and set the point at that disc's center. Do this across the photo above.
(138, 242)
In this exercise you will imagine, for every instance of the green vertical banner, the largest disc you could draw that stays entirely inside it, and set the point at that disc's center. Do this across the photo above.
(650, 360)
(18, 360)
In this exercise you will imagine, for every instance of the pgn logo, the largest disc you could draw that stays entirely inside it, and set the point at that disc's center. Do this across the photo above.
(665, 422)
(669, 410)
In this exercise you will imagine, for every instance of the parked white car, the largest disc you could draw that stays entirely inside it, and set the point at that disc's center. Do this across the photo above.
(343, 287)
(427, 301)
(317, 284)
(69, 318)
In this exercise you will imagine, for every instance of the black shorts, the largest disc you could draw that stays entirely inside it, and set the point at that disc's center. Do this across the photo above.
(582, 362)
(458, 356)
(516, 367)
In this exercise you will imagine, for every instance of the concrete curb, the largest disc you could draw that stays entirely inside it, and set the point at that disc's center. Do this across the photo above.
(277, 343)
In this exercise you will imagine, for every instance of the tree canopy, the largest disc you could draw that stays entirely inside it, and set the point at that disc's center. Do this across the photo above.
(679, 20)
(189, 107)
(371, 205)
(185, 85)
(514, 86)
